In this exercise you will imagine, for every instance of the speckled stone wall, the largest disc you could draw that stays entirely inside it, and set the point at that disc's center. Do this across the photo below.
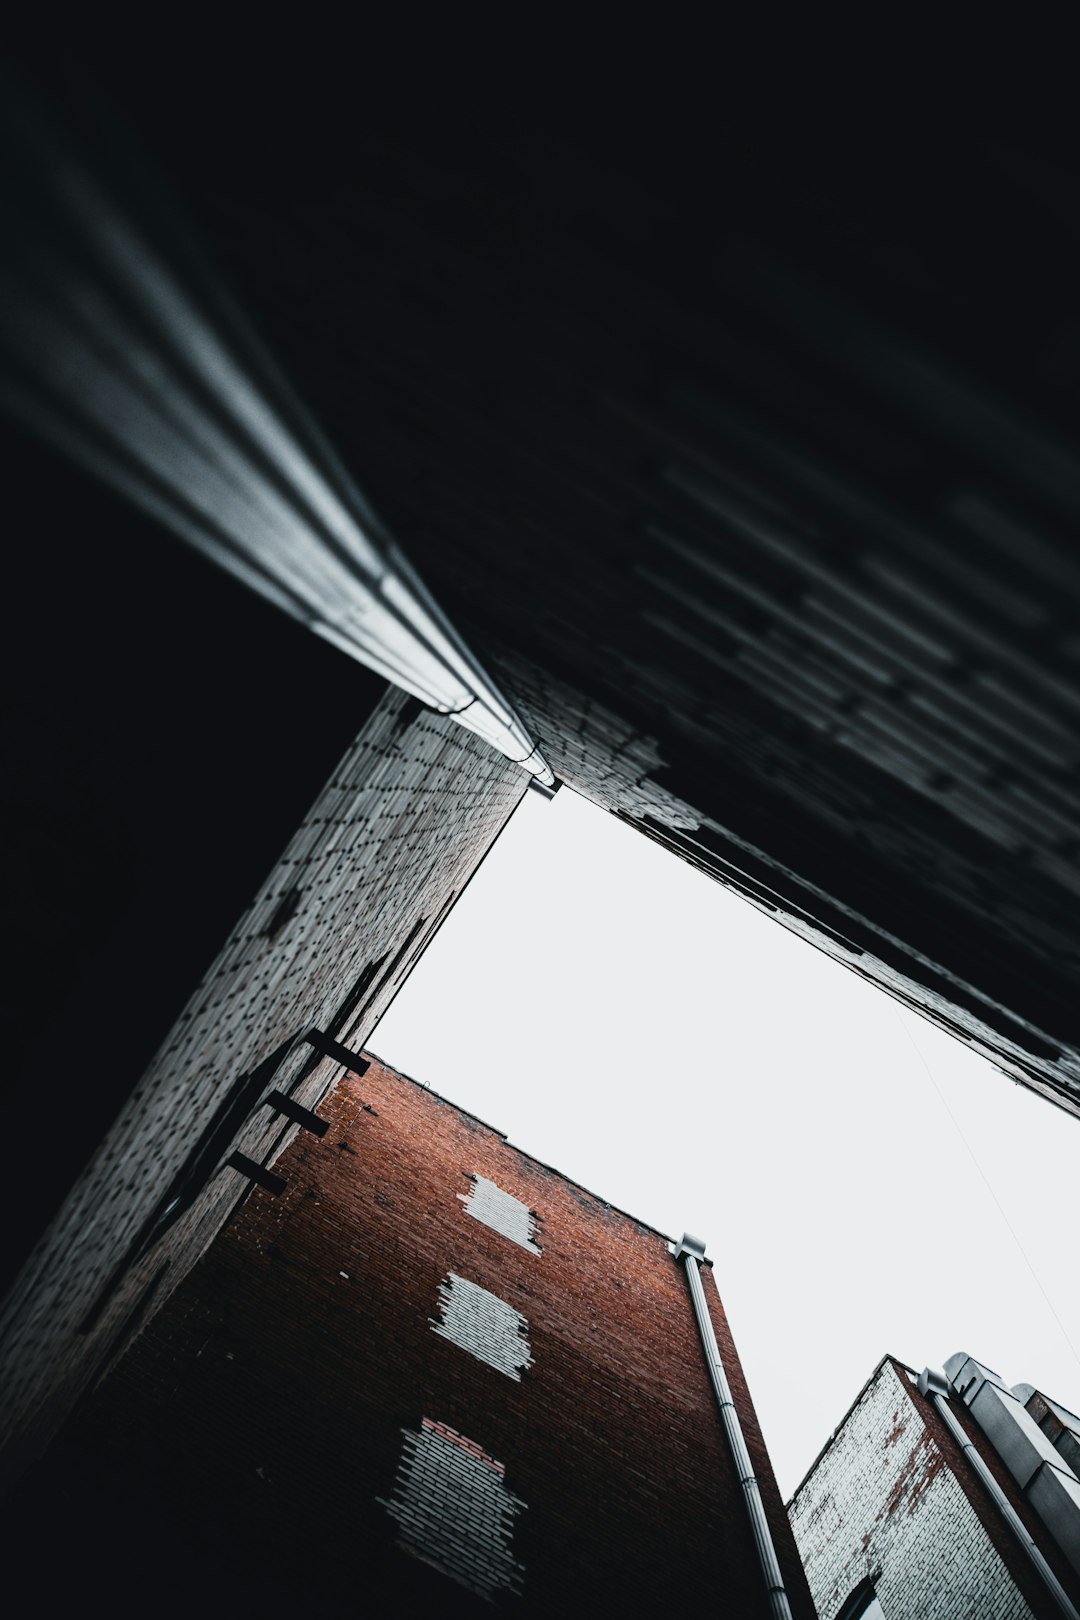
(370, 873)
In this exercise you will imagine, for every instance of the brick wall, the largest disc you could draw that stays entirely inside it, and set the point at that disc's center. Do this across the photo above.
(890, 1499)
(395, 834)
(307, 1393)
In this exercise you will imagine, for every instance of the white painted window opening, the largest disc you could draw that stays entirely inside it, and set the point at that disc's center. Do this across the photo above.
(453, 1509)
(484, 1325)
(502, 1212)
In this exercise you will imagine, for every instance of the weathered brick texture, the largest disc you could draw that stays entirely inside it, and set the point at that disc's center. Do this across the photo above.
(280, 1397)
(398, 830)
(892, 1499)
(484, 1325)
(453, 1509)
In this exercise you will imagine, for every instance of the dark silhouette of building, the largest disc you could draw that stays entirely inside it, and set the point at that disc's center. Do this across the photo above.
(739, 454)
(942, 1495)
(750, 472)
(429, 1371)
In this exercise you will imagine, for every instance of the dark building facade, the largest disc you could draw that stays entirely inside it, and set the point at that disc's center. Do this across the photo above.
(335, 923)
(762, 520)
(943, 1496)
(429, 1371)
(731, 477)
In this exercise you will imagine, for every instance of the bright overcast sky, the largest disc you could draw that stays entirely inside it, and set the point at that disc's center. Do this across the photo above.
(650, 1034)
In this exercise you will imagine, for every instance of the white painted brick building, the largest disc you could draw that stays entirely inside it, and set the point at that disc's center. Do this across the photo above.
(892, 1512)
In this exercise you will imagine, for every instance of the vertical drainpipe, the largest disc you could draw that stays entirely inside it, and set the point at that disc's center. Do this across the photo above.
(691, 1251)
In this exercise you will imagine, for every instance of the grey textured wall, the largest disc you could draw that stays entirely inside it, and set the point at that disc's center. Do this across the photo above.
(398, 830)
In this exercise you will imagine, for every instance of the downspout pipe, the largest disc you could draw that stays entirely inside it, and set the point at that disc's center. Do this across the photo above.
(935, 1387)
(120, 347)
(691, 1251)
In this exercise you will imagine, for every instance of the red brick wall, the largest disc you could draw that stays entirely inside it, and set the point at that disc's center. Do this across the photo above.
(268, 1397)
(398, 830)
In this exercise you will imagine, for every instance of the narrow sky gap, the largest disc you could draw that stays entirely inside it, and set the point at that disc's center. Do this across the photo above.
(650, 1034)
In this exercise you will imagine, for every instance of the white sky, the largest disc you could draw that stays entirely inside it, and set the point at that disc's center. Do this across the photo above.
(650, 1034)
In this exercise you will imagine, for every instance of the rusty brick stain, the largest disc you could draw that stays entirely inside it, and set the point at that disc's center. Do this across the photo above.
(923, 1464)
(896, 1431)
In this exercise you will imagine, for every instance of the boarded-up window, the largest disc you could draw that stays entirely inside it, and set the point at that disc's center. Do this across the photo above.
(453, 1509)
(484, 1325)
(502, 1212)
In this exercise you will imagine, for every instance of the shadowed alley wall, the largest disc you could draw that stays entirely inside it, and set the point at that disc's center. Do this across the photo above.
(749, 464)
(372, 870)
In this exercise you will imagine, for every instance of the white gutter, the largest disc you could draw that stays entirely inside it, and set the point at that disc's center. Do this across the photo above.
(935, 1386)
(692, 1252)
(121, 349)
